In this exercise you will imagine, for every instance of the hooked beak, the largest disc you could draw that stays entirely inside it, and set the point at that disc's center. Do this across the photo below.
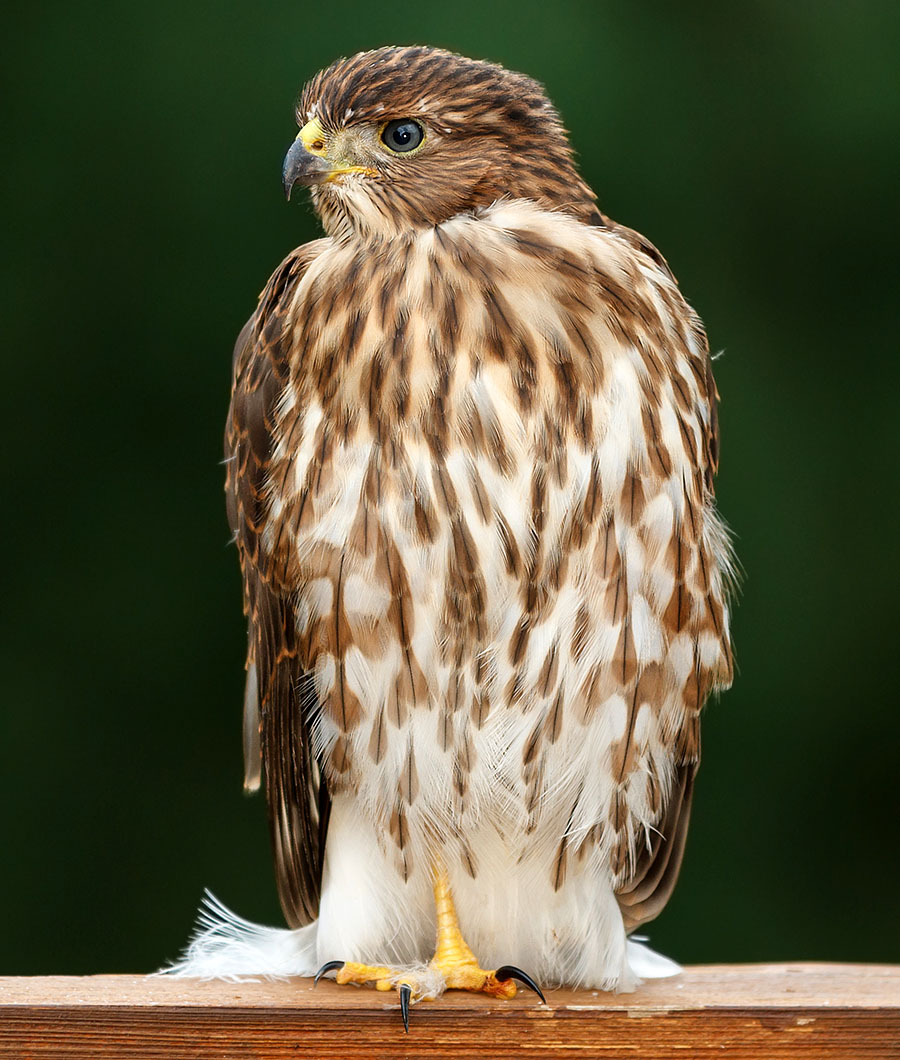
(302, 167)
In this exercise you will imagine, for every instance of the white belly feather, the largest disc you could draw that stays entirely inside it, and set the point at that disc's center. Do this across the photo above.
(504, 606)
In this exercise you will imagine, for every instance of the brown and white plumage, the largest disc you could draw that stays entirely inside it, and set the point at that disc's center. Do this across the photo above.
(470, 451)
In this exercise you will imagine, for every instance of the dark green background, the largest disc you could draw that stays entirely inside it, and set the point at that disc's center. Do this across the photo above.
(758, 144)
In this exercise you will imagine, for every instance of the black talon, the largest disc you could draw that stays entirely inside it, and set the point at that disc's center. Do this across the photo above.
(509, 972)
(405, 995)
(328, 966)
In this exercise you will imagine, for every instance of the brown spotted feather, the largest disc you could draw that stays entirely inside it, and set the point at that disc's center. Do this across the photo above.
(471, 451)
(279, 692)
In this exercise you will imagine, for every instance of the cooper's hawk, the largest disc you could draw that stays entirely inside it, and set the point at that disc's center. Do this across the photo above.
(470, 456)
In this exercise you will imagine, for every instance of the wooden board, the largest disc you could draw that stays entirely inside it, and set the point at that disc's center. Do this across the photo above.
(766, 1012)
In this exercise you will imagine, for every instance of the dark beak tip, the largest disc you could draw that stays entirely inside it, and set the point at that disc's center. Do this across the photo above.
(301, 167)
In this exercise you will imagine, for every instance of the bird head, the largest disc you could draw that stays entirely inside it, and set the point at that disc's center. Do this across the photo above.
(403, 138)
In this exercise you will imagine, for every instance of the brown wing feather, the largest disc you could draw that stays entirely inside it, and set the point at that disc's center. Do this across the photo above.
(279, 700)
(645, 894)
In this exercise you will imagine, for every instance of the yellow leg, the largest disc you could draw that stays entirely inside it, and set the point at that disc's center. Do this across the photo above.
(452, 956)
(454, 964)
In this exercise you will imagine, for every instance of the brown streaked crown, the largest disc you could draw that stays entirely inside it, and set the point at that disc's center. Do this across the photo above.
(490, 133)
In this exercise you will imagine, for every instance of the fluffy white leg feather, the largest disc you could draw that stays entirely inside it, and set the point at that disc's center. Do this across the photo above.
(509, 912)
(573, 936)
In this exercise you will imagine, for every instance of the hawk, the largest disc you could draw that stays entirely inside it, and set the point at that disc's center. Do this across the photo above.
(470, 452)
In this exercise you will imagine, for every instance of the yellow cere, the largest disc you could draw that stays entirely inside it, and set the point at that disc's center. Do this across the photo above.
(313, 137)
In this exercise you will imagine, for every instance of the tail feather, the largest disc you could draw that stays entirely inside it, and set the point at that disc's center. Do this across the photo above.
(226, 946)
(647, 963)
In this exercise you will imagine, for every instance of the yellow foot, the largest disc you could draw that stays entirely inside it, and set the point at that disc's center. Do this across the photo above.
(429, 982)
(453, 966)
(468, 976)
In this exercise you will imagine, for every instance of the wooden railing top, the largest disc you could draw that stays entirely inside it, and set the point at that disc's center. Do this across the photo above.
(760, 1011)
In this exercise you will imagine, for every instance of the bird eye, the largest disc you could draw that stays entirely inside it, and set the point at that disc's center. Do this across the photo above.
(403, 135)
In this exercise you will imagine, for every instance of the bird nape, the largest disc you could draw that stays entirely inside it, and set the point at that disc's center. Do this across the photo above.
(470, 453)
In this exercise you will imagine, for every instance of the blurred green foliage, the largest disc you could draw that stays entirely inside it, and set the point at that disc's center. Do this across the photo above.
(757, 144)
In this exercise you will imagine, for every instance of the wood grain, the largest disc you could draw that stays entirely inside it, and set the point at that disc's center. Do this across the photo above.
(762, 1011)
